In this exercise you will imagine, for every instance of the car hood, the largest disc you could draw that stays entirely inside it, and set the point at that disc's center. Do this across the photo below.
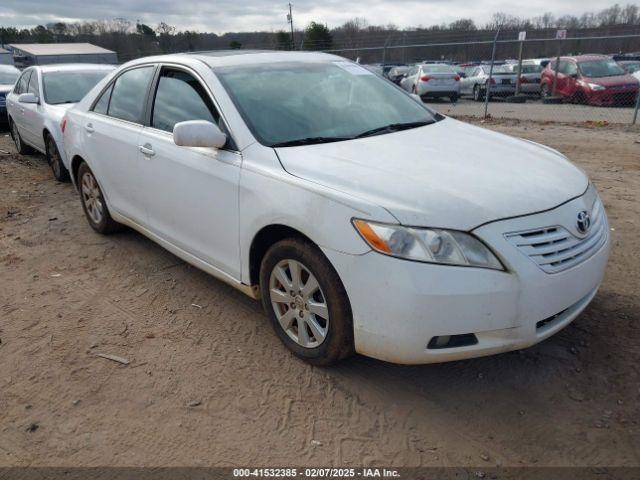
(614, 81)
(449, 174)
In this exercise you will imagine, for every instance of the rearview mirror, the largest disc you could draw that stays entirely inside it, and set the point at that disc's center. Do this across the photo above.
(28, 98)
(198, 133)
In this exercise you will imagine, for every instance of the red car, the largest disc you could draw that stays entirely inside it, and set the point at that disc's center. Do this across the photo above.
(591, 79)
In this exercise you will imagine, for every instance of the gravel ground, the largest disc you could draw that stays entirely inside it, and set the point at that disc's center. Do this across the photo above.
(208, 383)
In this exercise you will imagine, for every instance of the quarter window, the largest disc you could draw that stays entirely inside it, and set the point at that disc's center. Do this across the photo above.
(102, 105)
(22, 83)
(179, 98)
(129, 94)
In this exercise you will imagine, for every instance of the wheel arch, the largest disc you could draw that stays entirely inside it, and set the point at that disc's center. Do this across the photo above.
(263, 240)
(76, 161)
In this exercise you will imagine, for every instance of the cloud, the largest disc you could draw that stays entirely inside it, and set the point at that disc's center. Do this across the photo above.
(252, 15)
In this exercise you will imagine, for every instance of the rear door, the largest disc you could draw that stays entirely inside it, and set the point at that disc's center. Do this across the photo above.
(191, 193)
(112, 128)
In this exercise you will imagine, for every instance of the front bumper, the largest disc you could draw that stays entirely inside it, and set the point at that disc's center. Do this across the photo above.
(399, 306)
(612, 97)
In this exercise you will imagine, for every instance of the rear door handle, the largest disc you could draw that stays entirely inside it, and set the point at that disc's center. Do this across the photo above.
(89, 128)
(147, 150)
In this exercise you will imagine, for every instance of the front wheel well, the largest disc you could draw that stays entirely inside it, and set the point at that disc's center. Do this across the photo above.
(263, 240)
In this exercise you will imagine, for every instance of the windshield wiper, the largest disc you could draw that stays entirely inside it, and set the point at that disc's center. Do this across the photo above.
(309, 141)
(394, 127)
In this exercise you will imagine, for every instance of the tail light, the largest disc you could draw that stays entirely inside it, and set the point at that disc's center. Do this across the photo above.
(63, 124)
(425, 78)
(457, 78)
(523, 79)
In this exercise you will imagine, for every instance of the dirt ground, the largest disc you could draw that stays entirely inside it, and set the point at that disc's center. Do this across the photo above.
(209, 384)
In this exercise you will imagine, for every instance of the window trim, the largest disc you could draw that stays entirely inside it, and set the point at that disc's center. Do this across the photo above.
(231, 143)
(29, 72)
(38, 93)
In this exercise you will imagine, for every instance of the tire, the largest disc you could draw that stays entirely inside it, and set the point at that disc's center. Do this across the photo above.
(54, 160)
(21, 147)
(331, 314)
(477, 93)
(544, 91)
(93, 204)
(453, 98)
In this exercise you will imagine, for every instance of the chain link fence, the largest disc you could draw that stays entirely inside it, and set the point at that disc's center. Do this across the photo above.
(573, 79)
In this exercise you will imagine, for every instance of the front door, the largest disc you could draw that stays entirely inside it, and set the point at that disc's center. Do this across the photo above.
(191, 194)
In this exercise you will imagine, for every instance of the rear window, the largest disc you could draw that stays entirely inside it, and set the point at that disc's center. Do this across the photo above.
(531, 68)
(438, 69)
(69, 87)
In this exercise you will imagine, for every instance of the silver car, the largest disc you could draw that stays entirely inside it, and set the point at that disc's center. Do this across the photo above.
(8, 76)
(433, 80)
(39, 100)
(529, 76)
(476, 80)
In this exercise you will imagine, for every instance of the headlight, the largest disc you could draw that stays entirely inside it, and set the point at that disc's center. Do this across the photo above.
(432, 245)
(595, 87)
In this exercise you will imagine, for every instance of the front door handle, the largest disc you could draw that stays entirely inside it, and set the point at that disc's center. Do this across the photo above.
(147, 150)
(89, 128)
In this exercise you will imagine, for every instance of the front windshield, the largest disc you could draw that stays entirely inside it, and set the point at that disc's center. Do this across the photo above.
(8, 77)
(288, 101)
(632, 67)
(600, 68)
(69, 87)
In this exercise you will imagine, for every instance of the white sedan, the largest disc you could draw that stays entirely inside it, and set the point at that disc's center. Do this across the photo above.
(38, 102)
(378, 227)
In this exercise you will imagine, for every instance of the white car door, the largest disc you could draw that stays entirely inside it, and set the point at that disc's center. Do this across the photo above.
(191, 193)
(14, 107)
(33, 115)
(112, 129)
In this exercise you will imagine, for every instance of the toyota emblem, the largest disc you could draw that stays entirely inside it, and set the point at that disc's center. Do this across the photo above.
(584, 222)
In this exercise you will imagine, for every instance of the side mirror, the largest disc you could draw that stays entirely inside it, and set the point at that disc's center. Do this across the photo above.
(574, 75)
(198, 133)
(28, 98)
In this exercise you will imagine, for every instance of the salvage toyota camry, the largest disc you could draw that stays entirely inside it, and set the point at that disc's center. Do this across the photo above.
(363, 220)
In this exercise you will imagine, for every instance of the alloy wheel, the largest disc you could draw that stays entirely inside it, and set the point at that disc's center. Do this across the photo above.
(16, 136)
(299, 304)
(54, 158)
(92, 198)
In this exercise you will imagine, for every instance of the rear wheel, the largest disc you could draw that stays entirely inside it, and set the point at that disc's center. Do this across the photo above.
(54, 160)
(477, 93)
(306, 302)
(544, 91)
(21, 147)
(93, 204)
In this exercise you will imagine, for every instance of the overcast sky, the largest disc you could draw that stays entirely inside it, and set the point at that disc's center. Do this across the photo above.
(249, 15)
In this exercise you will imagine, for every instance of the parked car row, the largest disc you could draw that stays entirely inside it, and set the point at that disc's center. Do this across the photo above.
(590, 79)
(349, 208)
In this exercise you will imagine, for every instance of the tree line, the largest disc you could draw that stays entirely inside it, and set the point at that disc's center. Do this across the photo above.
(133, 39)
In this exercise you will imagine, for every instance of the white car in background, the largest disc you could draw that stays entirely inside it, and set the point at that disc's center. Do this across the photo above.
(433, 80)
(364, 221)
(8, 76)
(38, 102)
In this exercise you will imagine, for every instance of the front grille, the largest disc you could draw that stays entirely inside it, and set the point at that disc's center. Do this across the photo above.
(555, 249)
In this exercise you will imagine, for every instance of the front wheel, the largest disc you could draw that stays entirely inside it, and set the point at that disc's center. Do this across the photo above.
(54, 160)
(477, 93)
(544, 91)
(306, 302)
(93, 204)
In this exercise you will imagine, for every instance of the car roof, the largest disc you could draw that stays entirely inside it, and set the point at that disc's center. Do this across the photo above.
(219, 58)
(73, 67)
(585, 58)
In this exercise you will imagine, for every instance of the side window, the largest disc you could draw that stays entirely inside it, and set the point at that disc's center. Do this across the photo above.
(22, 83)
(180, 97)
(571, 69)
(33, 84)
(102, 105)
(129, 94)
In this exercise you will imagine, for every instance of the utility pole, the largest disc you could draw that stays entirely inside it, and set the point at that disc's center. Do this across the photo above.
(290, 20)
(487, 92)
